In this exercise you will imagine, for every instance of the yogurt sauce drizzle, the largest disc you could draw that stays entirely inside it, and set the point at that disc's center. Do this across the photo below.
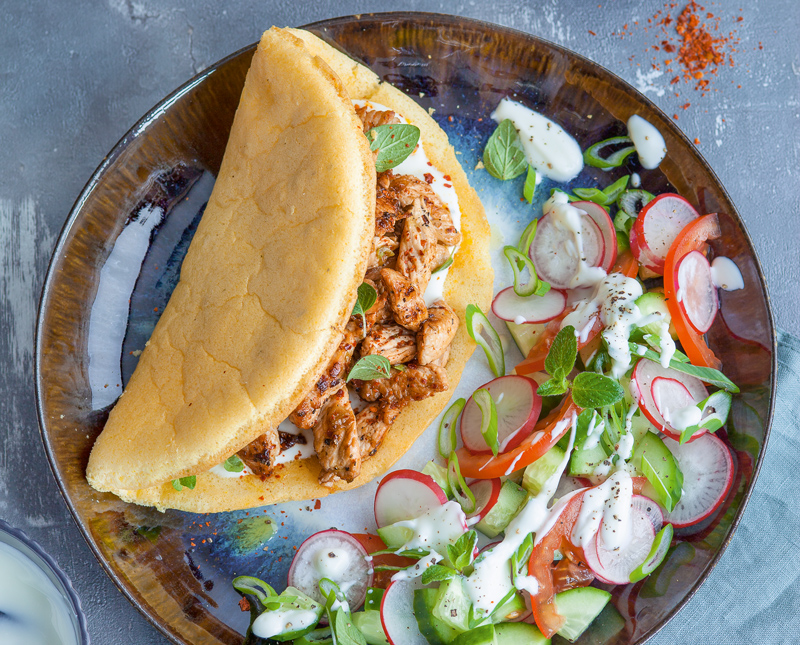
(271, 623)
(726, 275)
(547, 146)
(650, 145)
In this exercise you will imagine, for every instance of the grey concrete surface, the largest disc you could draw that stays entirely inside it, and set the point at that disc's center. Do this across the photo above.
(74, 76)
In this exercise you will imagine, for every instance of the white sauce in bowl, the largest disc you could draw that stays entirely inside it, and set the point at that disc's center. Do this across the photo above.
(726, 275)
(650, 145)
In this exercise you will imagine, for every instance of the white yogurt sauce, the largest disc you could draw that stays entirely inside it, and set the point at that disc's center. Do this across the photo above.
(219, 471)
(650, 145)
(32, 609)
(636, 180)
(594, 431)
(547, 146)
(568, 219)
(273, 622)
(331, 563)
(418, 165)
(726, 275)
(606, 507)
(682, 418)
(667, 344)
(491, 579)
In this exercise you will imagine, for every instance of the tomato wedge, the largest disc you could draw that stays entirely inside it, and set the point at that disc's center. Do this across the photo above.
(373, 543)
(534, 446)
(692, 238)
(626, 264)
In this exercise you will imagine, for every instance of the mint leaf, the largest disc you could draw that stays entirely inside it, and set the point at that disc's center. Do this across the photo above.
(394, 144)
(233, 464)
(185, 482)
(563, 352)
(530, 185)
(593, 390)
(553, 387)
(460, 554)
(503, 156)
(437, 573)
(367, 296)
(371, 367)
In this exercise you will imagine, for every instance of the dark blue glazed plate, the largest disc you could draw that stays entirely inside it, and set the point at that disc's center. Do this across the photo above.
(119, 255)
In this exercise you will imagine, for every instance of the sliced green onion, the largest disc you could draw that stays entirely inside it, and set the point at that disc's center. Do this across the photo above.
(715, 411)
(615, 190)
(632, 201)
(526, 239)
(592, 195)
(623, 222)
(519, 262)
(592, 155)
(254, 587)
(679, 363)
(461, 492)
(519, 560)
(657, 554)
(486, 405)
(571, 198)
(447, 428)
(481, 331)
(530, 185)
(444, 265)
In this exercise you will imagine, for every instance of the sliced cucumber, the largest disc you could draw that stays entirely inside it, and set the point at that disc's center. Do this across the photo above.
(395, 536)
(657, 554)
(654, 302)
(509, 502)
(452, 605)
(512, 608)
(370, 625)
(519, 633)
(321, 636)
(483, 635)
(579, 607)
(537, 473)
(583, 463)
(526, 335)
(656, 462)
(434, 631)
(373, 599)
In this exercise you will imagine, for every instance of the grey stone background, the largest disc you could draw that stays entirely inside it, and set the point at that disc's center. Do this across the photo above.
(74, 76)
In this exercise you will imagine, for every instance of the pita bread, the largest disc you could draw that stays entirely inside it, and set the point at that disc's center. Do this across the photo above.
(469, 281)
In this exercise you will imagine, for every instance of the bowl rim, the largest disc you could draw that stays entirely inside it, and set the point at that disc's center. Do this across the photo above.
(64, 584)
(319, 27)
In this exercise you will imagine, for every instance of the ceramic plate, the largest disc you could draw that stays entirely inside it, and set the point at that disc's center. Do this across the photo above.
(119, 255)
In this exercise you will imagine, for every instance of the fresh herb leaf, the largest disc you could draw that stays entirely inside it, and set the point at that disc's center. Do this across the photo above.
(371, 367)
(562, 354)
(592, 154)
(447, 428)
(593, 390)
(553, 387)
(185, 482)
(461, 492)
(437, 573)
(394, 143)
(519, 560)
(410, 553)
(367, 296)
(705, 374)
(233, 464)
(530, 185)
(460, 554)
(503, 156)
(481, 331)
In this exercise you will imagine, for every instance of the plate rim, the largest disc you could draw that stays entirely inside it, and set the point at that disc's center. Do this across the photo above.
(319, 28)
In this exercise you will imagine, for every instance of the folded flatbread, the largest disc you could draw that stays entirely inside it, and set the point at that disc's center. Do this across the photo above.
(268, 286)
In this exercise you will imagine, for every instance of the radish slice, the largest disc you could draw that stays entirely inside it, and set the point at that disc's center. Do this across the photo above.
(670, 396)
(648, 507)
(707, 470)
(644, 375)
(397, 613)
(590, 551)
(510, 307)
(518, 407)
(486, 492)
(605, 225)
(657, 226)
(554, 254)
(617, 565)
(404, 495)
(336, 555)
(642, 253)
(697, 295)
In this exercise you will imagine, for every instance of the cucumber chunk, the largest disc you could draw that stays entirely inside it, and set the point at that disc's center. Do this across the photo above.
(321, 636)
(657, 554)
(394, 536)
(434, 631)
(370, 625)
(511, 498)
(526, 335)
(583, 462)
(452, 605)
(518, 633)
(373, 599)
(537, 473)
(579, 607)
(654, 302)
(479, 636)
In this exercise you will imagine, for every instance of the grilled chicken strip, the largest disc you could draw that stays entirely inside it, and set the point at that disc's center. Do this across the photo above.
(407, 188)
(440, 256)
(436, 333)
(384, 251)
(388, 209)
(391, 395)
(396, 343)
(373, 118)
(336, 440)
(417, 250)
(405, 299)
(259, 455)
